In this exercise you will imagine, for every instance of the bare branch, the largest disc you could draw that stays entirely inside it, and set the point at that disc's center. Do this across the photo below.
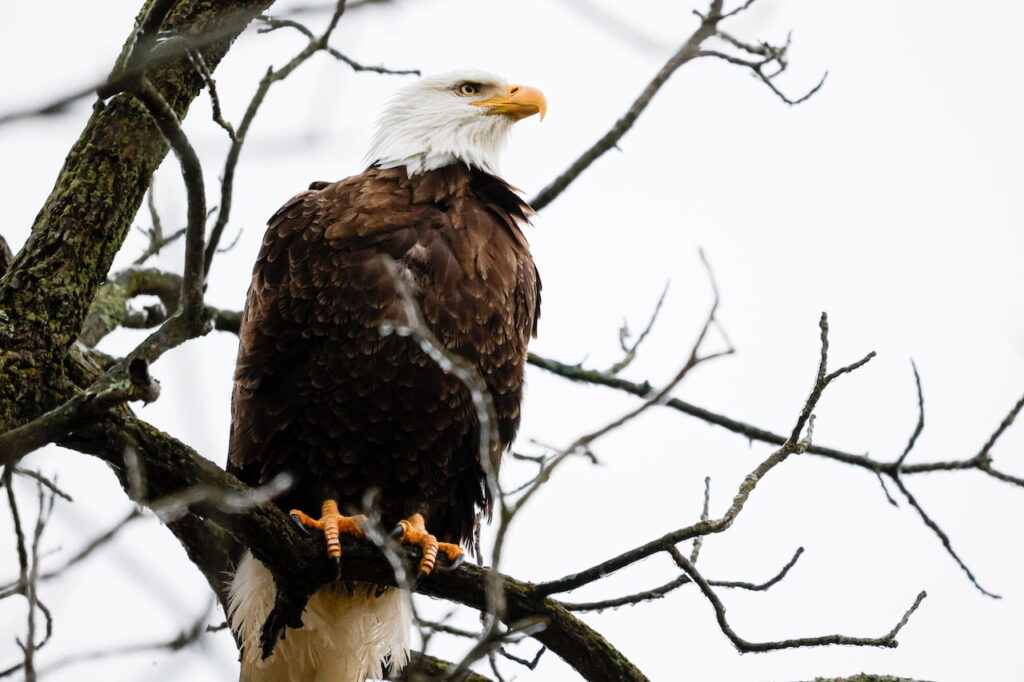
(667, 542)
(157, 240)
(192, 172)
(920, 422)
(211, 87)
(656, 398)
(630, 599)
(687, 51)
(699, 541)
(743, 645)
(161, 49)
(943, 538)
(630, 350)
(47, 483)
(183, 639)
(984, 456)
(58, 422)
(27, 584)
(760, 587)
(316, 44)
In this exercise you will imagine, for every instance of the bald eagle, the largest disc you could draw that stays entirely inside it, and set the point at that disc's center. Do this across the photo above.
(322, 395)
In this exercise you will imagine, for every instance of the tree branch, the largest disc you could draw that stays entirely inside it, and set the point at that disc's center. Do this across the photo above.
(887, 640)
(687, 51)
(316, 44)
(46, 292)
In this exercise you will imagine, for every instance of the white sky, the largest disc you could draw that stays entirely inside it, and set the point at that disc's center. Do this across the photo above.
(891, 200)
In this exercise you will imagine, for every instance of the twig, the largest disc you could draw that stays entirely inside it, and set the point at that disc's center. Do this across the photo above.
(493, 641)
(984, 456)
(744, 646)
(38, 477)
(158, 52)
(630, 599)
(529, 664)
(691, 49)
(211, 86)
(758, 69)
(943, 537)
(667, 542)
(447, 629)
(183, 639)
(192, 173)
(630, 350)
(94, 544)
(27, 584)
(328, 6)
(157, 240)
(610, 139)
(679, 581)
(56, 423)
(742, 8)
(760, 587)
(655, 398)
(315, 44)
(699, 541)
(275, 23)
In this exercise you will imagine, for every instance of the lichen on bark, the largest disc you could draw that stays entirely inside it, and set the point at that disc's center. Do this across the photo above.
(51, 283)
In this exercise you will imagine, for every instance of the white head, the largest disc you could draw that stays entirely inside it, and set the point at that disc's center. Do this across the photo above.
(459, 116)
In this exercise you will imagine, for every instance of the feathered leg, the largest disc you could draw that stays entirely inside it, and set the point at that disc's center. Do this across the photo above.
(346, 636)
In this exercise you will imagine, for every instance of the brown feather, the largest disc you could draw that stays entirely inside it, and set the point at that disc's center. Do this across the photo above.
(321, 394)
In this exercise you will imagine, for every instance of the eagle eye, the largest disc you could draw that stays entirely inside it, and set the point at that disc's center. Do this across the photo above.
(468, 89)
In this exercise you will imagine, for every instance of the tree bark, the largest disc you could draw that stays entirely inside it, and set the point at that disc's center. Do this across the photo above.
(48, 288)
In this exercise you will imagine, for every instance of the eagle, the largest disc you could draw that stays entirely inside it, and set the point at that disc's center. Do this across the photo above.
(346, 411)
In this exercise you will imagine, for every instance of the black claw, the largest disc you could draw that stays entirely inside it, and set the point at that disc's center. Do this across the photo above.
(455, 564)
(420, 575)
(297, 522)
(397, 531)
(336, 563)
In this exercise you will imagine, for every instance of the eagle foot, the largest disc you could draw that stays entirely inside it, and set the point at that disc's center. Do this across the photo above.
(332, 524)
(413, 531)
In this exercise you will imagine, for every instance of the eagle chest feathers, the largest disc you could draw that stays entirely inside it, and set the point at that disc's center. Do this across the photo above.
(322, 394)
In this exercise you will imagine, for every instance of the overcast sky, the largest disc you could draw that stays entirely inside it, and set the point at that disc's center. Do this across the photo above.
(892, 200)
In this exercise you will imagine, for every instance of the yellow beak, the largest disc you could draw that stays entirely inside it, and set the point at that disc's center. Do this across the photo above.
(520, 102)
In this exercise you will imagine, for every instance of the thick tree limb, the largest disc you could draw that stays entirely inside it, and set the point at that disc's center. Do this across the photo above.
(5, 256)
(296, 559)
(57, 423)
(46, 292)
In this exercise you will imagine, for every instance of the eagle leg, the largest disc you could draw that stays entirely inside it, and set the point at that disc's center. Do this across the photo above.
(413, 531)
(333, 524)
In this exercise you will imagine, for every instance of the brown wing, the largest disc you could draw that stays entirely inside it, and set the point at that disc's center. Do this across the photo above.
(321, 394)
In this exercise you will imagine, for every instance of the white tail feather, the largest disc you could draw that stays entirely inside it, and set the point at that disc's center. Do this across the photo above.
(344, 638)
